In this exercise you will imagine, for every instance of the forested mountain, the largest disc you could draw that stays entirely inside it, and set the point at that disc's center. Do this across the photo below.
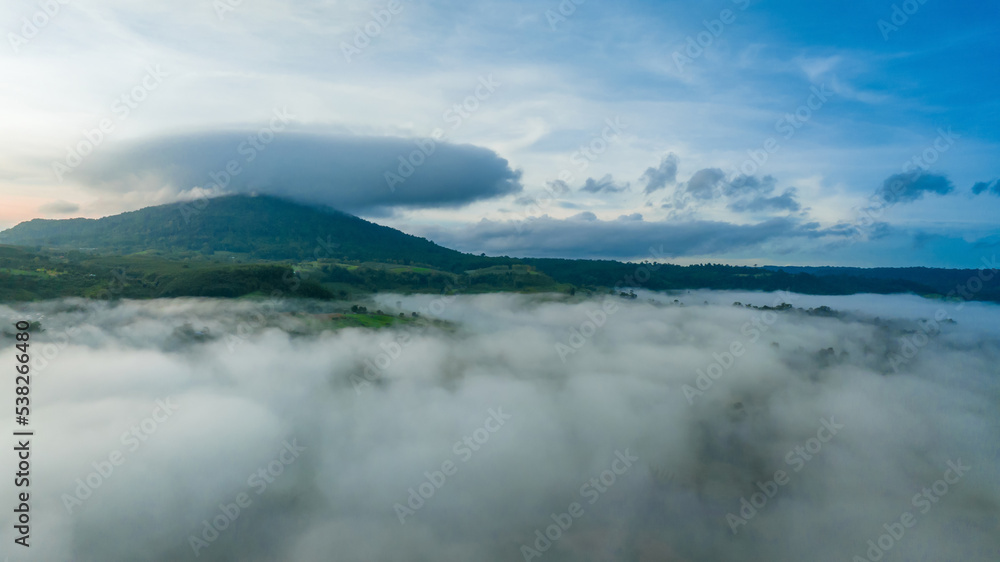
(979, 284)
(261, 227)
(221, 247)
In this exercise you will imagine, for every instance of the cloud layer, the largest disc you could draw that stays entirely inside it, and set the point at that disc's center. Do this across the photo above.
(350, 173)
(260, 407)
(626, 237)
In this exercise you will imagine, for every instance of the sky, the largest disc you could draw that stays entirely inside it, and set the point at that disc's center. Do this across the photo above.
(727, 131)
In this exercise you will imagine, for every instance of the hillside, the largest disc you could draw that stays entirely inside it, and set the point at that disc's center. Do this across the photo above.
(240, 245)
(261, 227)
(26, 275)
(942, 281)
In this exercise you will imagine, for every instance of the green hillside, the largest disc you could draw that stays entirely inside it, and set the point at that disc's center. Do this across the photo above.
(239, 245)
(28, 275)
(261, 227)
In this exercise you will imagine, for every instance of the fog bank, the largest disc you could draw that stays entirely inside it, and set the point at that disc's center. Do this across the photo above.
(636, 429)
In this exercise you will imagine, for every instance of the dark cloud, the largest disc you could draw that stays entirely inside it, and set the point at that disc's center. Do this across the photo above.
(743, 193)
(910, 186)
(59, 208)
(586, 237)
(874, 231)
(350, 173)
(752, 194)
(991, 187)
(784, 202)
(703, 183)
(661, 176)
(558, 186)
(743, 185)
(603, 185)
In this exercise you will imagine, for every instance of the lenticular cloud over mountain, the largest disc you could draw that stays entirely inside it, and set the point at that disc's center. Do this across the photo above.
(514, 427)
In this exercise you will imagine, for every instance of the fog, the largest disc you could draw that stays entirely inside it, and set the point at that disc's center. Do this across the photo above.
(471, 436)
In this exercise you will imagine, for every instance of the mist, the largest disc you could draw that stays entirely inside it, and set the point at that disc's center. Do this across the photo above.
(514, 427)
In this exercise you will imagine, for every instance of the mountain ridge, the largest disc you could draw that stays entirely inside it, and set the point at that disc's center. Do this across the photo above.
(277, 229)
(350, 252)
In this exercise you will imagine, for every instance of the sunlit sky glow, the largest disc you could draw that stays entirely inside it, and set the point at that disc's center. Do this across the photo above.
(842, 102)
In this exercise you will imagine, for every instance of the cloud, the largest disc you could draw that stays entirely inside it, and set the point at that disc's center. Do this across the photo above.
(784, 202)
(615, 239)
(703, 183)
(991, 187)
(750, 194)
(321, 460)
(603, 185)
(911, 186)
(345, 172)
(59, 208)
(662, 175)
(749, 185)
(743, 193)
(558, 186)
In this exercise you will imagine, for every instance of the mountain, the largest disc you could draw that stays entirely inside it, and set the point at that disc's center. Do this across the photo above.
(229, 246)
(261, 227)
(980, 284)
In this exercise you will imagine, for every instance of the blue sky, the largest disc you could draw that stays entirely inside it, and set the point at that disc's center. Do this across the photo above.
(837, 102)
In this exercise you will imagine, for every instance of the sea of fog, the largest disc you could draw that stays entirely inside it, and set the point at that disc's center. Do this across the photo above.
(668, 427)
